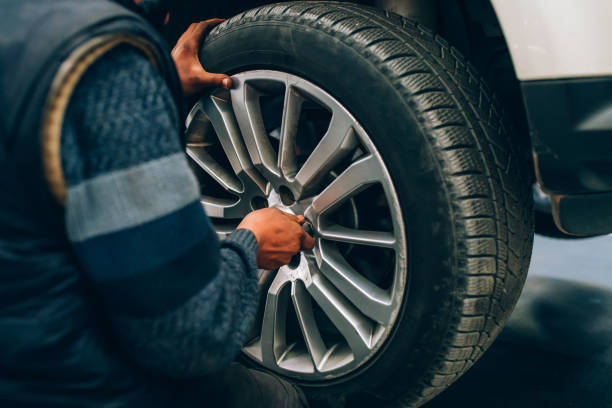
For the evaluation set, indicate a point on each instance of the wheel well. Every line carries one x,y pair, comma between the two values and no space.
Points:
472,27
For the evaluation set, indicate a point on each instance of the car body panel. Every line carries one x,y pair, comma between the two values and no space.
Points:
557,38
562,57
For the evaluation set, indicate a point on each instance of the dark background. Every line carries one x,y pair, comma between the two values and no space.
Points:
185,12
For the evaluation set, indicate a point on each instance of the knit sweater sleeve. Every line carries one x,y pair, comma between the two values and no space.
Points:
181,302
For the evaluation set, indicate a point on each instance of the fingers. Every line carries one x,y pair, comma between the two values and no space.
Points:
210,80
307,241
268,264
194,78
271,264
199,30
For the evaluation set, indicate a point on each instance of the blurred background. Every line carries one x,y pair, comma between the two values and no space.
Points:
184,12
556,350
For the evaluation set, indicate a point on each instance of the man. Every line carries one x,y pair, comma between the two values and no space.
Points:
114,290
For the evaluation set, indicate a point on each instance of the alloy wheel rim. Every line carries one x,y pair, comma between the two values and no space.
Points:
229,145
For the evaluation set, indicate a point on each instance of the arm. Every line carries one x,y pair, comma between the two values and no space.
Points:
181,302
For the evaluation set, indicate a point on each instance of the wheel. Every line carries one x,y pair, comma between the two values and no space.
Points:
392,147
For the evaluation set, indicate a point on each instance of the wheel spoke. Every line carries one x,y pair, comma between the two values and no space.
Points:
206,162
354,327
370,299
198,128
354,179
242,180
221,115
223,208
354,236
291,117
308,324
266,277
273,340
245,101
336,144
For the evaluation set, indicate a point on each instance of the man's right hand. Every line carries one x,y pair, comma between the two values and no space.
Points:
279,236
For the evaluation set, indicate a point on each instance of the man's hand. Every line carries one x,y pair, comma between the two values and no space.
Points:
279,236
194,78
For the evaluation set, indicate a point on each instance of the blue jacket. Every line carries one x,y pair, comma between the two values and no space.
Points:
53,350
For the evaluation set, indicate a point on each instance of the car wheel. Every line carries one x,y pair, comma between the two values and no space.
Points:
393,148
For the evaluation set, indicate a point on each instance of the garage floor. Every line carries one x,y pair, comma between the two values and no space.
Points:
556,350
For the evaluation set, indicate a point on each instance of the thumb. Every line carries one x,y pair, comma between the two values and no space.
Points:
307,241
208,80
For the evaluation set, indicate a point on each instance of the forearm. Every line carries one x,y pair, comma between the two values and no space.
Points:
206,332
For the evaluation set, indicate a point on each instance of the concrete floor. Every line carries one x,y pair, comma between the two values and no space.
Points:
556,350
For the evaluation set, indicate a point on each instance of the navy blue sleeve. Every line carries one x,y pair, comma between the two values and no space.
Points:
138,229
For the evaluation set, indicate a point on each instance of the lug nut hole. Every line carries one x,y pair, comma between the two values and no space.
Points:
295,261
286,196
258,202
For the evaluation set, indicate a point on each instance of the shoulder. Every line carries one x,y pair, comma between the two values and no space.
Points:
121,79
121,114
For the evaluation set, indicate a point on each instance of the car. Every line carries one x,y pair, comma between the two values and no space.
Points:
410,133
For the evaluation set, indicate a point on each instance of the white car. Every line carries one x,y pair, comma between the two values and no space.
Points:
416,180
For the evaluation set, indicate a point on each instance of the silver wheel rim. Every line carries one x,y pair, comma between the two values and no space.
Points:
326,184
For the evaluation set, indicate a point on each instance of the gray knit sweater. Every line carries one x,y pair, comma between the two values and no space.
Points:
181,302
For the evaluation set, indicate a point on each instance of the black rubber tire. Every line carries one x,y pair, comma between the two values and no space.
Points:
465,193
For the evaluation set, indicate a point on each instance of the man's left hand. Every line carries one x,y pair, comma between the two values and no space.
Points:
194,78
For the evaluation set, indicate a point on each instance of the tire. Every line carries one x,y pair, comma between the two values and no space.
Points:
464,193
